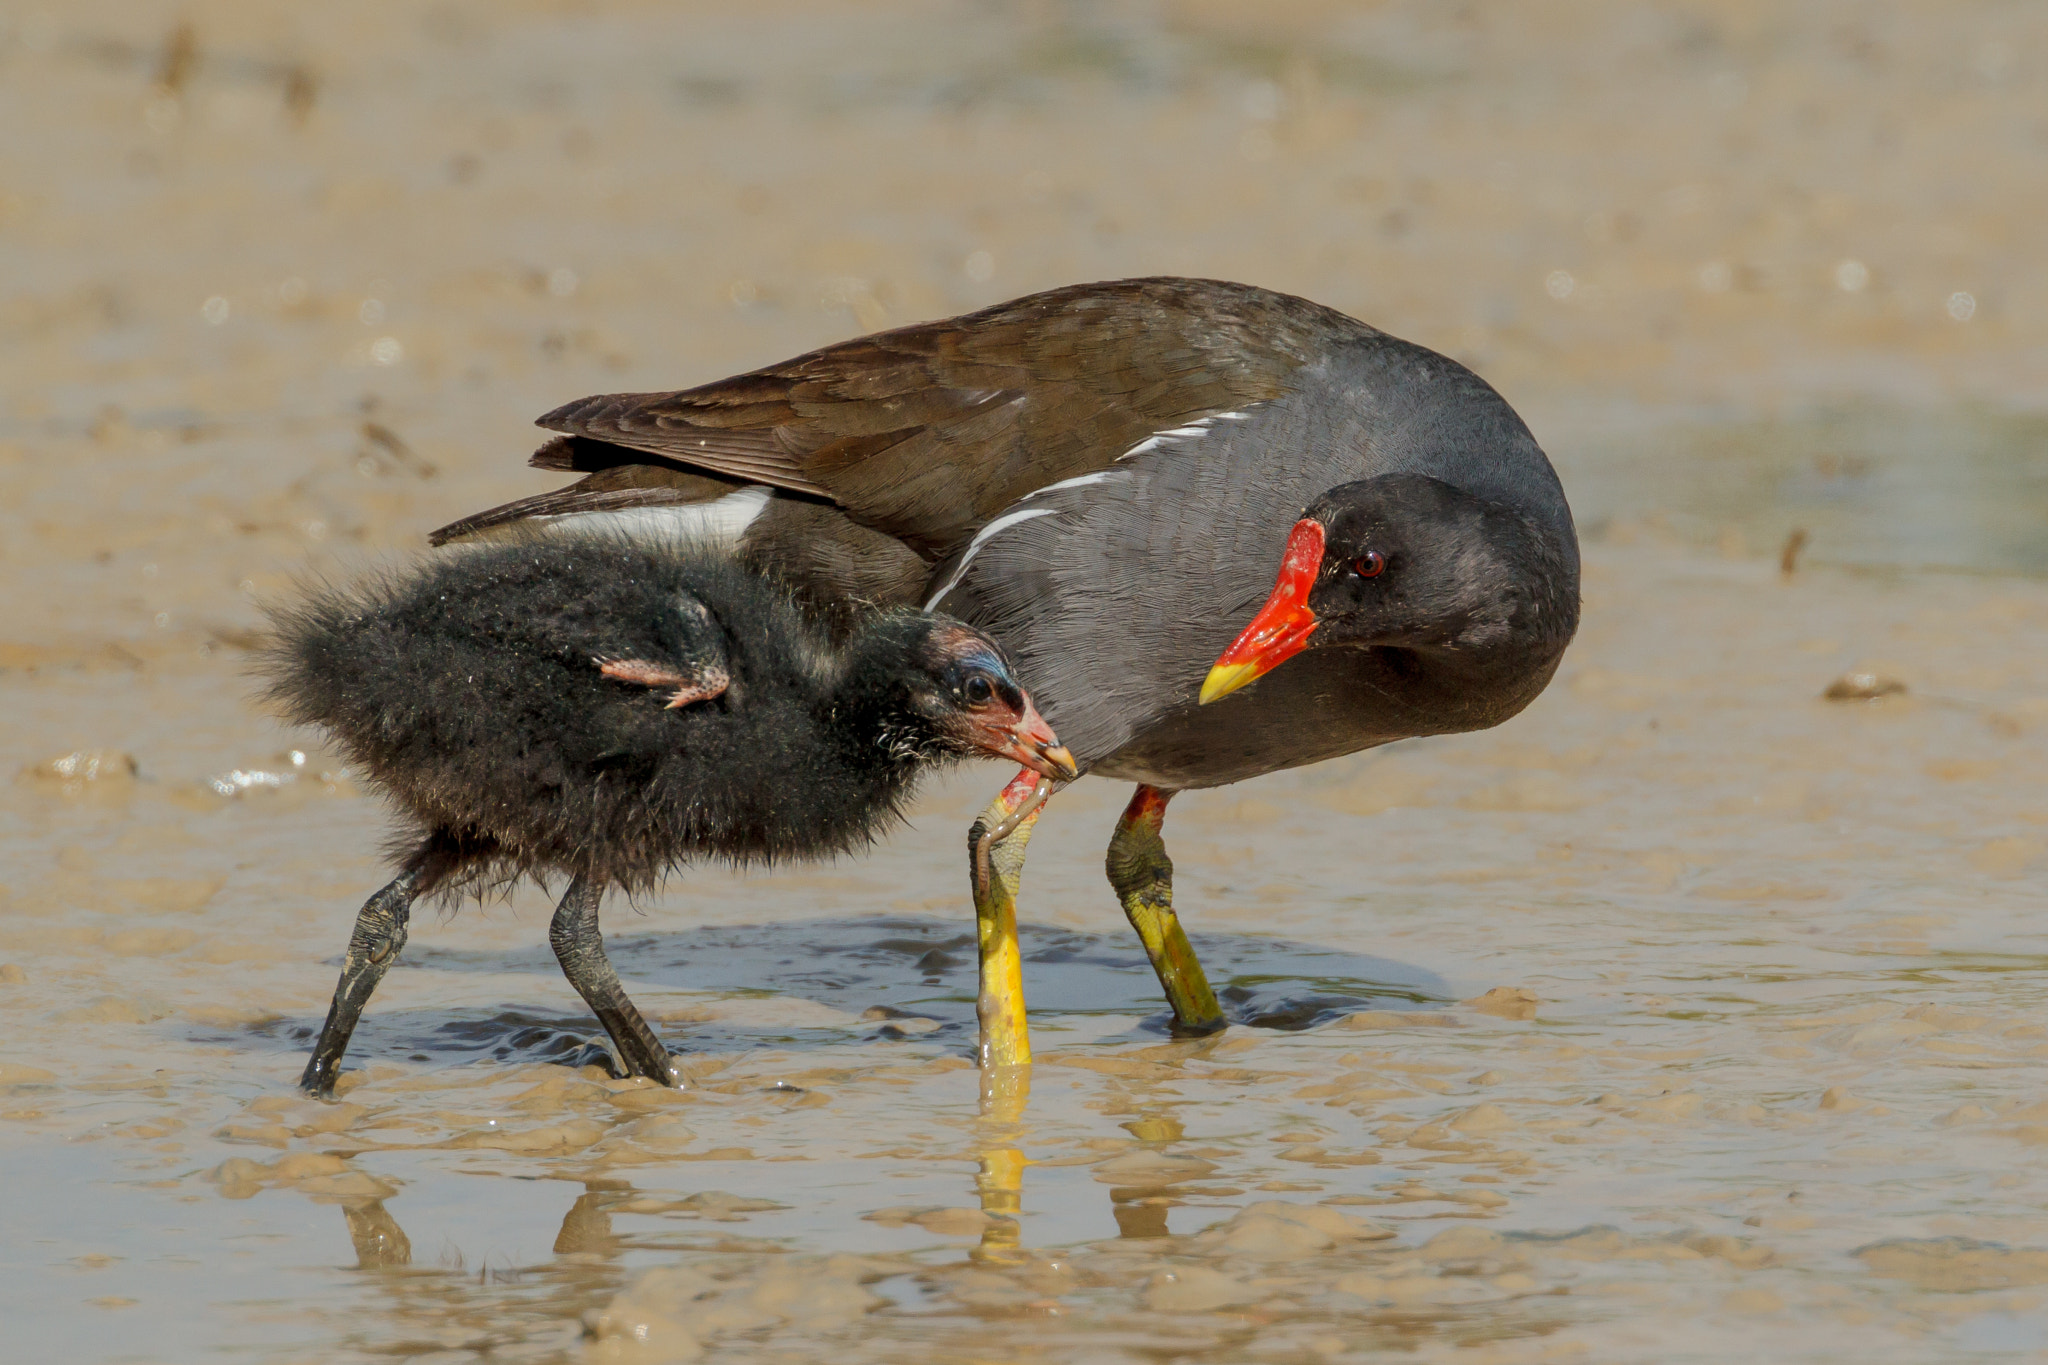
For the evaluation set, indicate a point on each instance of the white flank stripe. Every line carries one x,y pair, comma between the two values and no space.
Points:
981,538
1078,481
1199,427
722,520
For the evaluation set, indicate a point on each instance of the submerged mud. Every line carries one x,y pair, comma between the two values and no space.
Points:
1691,1016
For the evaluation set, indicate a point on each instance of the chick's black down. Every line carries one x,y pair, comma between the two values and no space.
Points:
469,691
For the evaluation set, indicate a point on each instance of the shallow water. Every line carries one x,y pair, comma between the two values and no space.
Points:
1690,1016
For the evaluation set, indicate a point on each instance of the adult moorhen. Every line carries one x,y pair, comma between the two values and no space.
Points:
1104,478
609,708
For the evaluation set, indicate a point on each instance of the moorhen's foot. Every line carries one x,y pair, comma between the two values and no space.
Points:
995,870
1142,876
375,944
579,947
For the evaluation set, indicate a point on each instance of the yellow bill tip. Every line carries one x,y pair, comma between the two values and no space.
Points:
1224,679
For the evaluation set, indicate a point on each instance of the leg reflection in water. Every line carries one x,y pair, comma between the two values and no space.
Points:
587,1226
1141,1218
1141,1209
1001,1187
380,1243
1005,1092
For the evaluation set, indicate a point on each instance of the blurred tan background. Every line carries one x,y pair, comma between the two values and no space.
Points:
266,266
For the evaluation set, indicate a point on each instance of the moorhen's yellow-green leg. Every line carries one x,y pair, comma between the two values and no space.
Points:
378,938
579,947
1143,877
996,869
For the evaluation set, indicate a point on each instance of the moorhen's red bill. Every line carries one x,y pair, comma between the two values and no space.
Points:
1107,479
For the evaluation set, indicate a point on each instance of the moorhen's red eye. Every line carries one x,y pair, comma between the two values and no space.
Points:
1369,564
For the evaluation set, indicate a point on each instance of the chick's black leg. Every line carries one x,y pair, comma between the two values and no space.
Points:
1142,875
579,947
379,936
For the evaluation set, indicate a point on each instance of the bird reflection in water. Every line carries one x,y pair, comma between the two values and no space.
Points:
587,1236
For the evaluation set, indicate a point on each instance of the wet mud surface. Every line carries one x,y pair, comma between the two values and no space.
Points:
1692,1016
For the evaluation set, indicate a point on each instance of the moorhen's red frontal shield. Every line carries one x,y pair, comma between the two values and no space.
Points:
1281,629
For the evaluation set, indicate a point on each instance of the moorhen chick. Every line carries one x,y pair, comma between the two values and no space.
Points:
608,709
1104,477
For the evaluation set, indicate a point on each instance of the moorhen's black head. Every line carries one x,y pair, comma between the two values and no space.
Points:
953,685
1405,561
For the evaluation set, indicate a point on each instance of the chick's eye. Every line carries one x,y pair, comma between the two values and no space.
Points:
978,690
1369,565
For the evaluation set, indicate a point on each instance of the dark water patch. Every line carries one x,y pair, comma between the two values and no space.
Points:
905,979
1293,1003
509,1035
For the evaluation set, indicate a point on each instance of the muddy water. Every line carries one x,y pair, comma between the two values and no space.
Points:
1691,1016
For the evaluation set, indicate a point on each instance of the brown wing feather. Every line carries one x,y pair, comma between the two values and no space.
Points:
927,431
